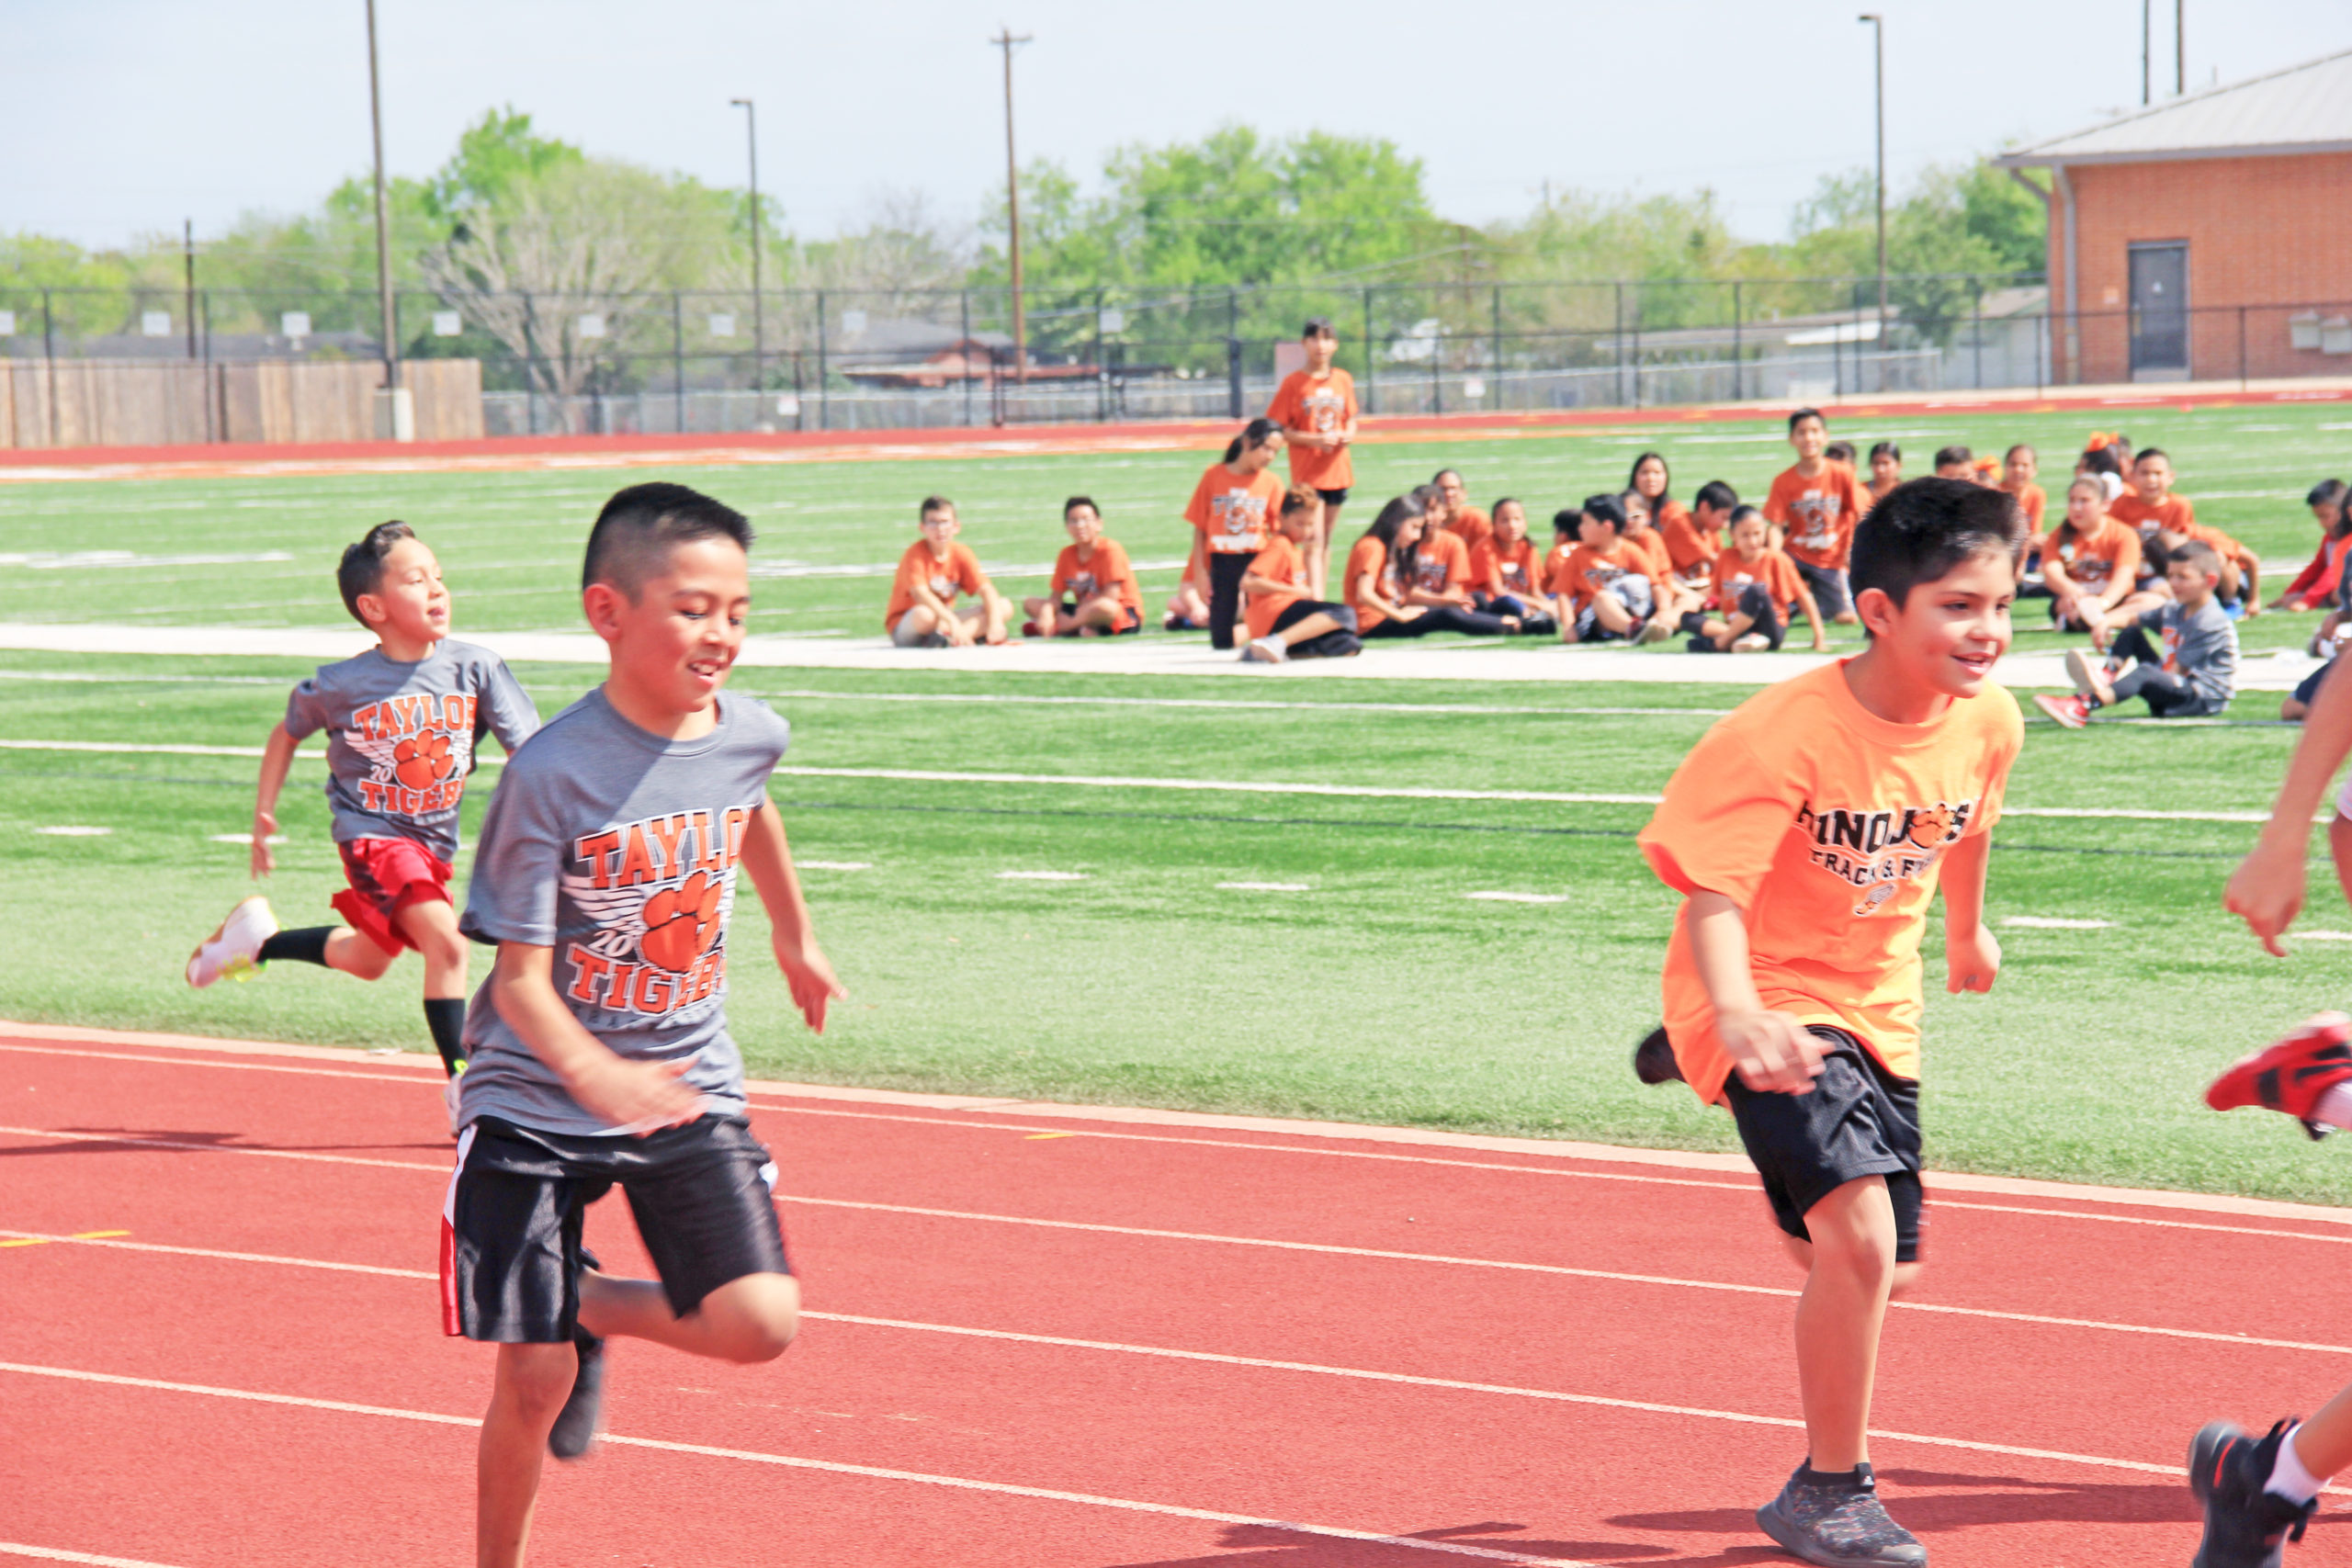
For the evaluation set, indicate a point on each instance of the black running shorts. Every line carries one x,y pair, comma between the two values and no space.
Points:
702,1195
1859,1119
1334,497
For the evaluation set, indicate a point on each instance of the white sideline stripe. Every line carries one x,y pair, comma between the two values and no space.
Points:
1214,786
1941,1182
1043,876
2054,923
1557,1269
836,1467
51,1554
1264,887
1492,897
833,864
1011,700
73,832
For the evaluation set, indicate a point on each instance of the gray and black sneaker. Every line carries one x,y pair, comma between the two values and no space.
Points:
2245,1526
1838,1522
574,1432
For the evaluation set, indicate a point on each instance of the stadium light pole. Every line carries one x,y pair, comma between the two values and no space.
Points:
1878,43
1007,41
758,313
383,234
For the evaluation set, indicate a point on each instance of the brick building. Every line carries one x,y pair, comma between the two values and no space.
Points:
2200,238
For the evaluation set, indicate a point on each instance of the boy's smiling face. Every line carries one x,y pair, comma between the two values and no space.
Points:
1947,634
2191,583
1085,525
2152,477
677,639
410,602
1808,436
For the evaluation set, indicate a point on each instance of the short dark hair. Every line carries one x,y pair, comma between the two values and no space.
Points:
638,527
1801,415
1886,450
2025,447
2144,453
1078,500
1564,521
1438,478
1318,326
1840,452
2198,554
1741,514
1947,456
1300,498
1923,529
1605,509
361,570
1717,494
932,504
2327,492
1254,434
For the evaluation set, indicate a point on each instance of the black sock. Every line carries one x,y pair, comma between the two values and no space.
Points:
306,946
445,1017
1812,1477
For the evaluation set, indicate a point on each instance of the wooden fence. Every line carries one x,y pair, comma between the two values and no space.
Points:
109,402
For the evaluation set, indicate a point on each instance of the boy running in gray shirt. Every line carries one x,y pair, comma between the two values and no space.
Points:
598,1047
2192,675
402,721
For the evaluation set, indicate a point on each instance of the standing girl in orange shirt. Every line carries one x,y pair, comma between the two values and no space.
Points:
1233,511
1316,408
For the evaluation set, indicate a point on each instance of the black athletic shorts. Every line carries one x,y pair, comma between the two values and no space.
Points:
1067,609
702,1195
1859,1119
1333,497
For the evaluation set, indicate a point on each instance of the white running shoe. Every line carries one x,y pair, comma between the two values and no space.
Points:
230,952
1267,650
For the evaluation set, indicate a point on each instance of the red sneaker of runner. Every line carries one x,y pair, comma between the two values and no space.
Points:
2293,1075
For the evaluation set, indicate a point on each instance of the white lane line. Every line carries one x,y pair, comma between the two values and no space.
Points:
1211,786
77,678
834,1467
1519,897
1264,887
73,832
2053,923
2323,936
1437,709
51,1554
1162,1352
833,864
1042,876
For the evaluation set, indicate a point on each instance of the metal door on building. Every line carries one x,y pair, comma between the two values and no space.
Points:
2160,312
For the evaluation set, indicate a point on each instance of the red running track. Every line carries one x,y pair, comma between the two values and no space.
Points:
1036,1340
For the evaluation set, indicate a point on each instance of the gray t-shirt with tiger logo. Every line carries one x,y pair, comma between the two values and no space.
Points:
400,736
618,850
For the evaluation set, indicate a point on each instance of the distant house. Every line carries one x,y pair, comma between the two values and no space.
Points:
2195,237
903,351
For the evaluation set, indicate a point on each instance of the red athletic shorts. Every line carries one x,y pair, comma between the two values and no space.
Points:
387,875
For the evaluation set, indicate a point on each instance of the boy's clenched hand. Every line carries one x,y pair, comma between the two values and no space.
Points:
1972,961
1774,1053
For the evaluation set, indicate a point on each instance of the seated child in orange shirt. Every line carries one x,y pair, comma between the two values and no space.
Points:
1886,470
1602,590
1506,575
1694,539
1284,624
922,611
1674,600
1750,582
2166,522
1093,591
2018,467
2089,562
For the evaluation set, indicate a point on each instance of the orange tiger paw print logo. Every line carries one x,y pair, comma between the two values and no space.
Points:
423,761
1930,829
680,923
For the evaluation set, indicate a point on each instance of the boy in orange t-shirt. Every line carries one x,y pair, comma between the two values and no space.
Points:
1694,539
1316,408
1459,518
922,611
1093,591
1807,833
1603,586
2150,507
1284,624
1815,504
1750,586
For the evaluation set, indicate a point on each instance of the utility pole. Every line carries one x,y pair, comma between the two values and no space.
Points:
2147,48
383,238
187,252
2179,47
1878,43
1006,40
759,311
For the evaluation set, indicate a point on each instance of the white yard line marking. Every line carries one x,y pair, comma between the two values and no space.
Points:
2053,923
867,1471
73,832
86,560
1448,710
2322,936
834,865
244,838
1212,786
74,676
1264,887
1519,897
1043,876
52,1554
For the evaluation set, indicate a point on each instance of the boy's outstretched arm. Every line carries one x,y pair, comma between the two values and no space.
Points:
2267,889
639,1097
769,860
1773,1052
277,761
1972,953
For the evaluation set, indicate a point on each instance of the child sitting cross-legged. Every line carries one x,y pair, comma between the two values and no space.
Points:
1093,591
1506,572
2193,675
2315,586
2090,561
1603,588
1751,582
1284,622
922,612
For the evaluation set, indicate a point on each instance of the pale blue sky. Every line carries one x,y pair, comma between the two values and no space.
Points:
123,116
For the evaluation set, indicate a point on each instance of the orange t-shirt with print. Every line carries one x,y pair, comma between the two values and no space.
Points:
1106,572
1774,572
2035,501
959,573
1280,562
1517,571
1555,568
2173,514
1440,564
2092,561
1826,825
1688,546
1368,559
1472,526
1650,546
1588,570
1235,515
1819,513
1326,406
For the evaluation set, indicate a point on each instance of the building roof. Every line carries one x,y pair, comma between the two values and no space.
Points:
2303,109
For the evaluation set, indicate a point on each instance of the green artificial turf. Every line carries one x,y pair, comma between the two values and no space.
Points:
1381,994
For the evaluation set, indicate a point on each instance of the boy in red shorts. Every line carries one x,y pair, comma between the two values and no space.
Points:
402,721
1807,833
601,1057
